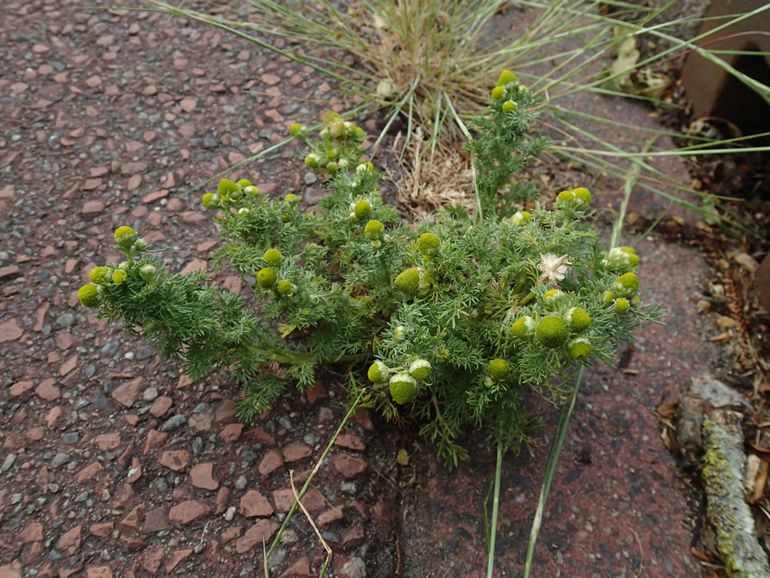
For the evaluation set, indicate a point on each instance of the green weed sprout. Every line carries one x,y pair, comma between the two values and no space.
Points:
452,322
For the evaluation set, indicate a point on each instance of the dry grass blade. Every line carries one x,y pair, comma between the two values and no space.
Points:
329,554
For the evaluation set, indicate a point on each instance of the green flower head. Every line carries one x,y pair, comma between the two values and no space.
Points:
510,106
578,319
118,276
403,388
580,348
226,187
88,295
312,160
521,217
210,200
505,77
266,277
373,229
420,369
362,210
99,274
272,256
565,198
582,196
498,93
378,372
285,288
622,304
428,243
413,281
243,183
291,199
523,327
125,237
298,130
621,259
551,331
626,285
498,368
148,272
553,296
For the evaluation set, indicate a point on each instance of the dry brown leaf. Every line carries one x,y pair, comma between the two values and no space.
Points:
756,477
726,336
724,322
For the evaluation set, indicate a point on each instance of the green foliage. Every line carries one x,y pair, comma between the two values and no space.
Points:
456,320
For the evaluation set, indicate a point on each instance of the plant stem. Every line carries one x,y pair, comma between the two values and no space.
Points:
495,509
550,470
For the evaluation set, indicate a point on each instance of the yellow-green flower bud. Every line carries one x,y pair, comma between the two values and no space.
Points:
580,348
505,77
399,333
332,167
510,106
378,372
243,183
521,217
125,237
118,276
88,295
498,369
583,196
291,199
225,187
553,296
413,281
578,319
312,160
626,285
272,256
298,130
565,198
337,130
420,369
251,190
147,272
621,259
140,245
332,154
99,274
285,288
523,327
209,200
621,305
607,298
266,277
498,93
403,388
362,210
373,229
551,331
428,243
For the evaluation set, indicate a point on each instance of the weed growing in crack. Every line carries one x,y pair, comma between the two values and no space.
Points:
452,322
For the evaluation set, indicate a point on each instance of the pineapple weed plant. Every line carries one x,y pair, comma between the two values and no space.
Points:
452,321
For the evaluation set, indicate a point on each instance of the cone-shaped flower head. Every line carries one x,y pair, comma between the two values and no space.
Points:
626,285
125,237
148,272
505,77
428,243
403,388
622,304
99,274
510,106
498,93
578,319
413,281
272,256
88,295
551,331
266,277
420,369
118,276
580,348
378,372
498,368
373,229
285,288
362,210
523,327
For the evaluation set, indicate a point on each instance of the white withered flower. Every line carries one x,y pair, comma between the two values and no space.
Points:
553,268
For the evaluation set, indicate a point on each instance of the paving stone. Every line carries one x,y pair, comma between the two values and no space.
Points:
188,511
260,533
349,466
175,460
127,393
201,476
253,504
272,461
296,451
